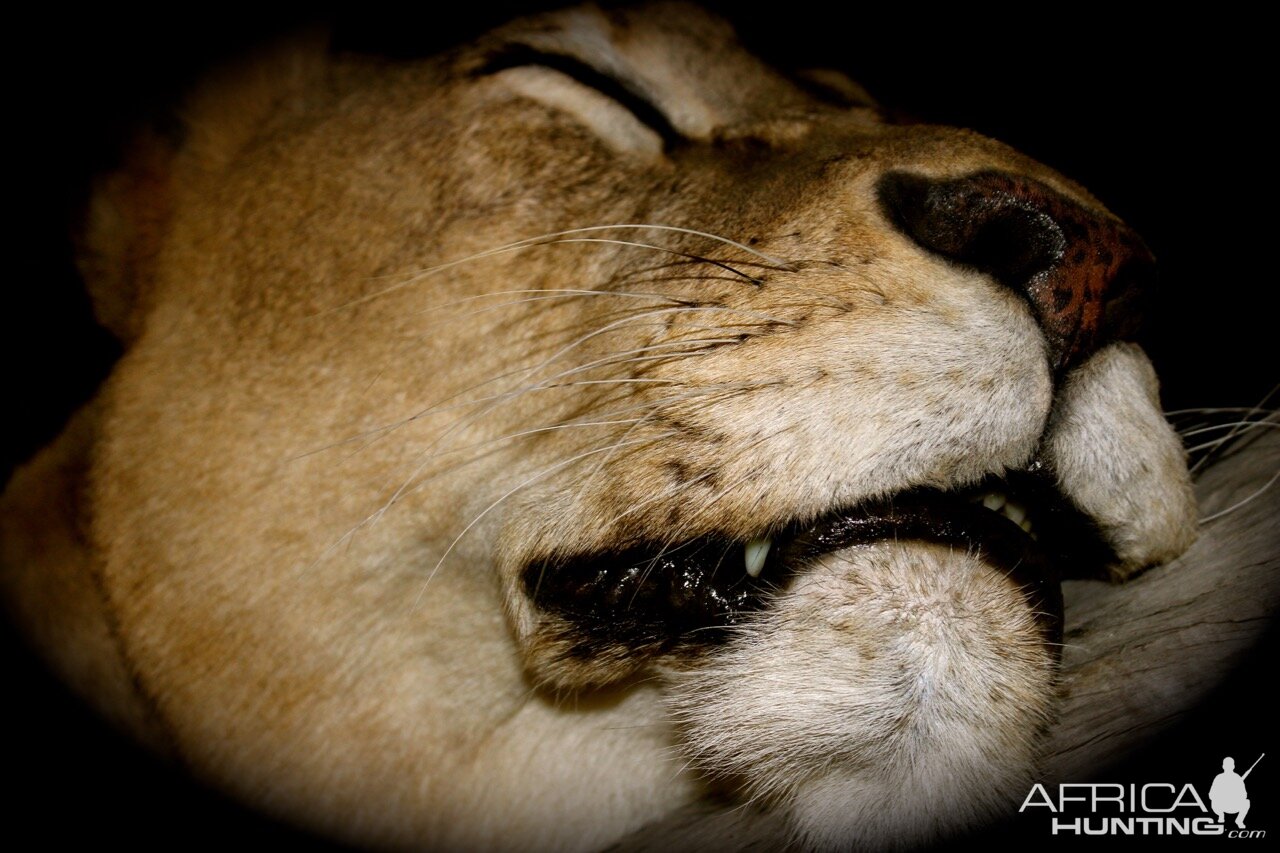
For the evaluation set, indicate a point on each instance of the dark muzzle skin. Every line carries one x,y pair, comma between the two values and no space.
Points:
1086,276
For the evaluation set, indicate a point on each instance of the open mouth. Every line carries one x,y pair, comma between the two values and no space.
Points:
690,594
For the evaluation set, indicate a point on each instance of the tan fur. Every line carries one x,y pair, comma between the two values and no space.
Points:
312,481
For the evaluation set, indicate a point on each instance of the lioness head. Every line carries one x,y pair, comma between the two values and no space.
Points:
515,447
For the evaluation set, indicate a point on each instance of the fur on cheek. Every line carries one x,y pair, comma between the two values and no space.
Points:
893,693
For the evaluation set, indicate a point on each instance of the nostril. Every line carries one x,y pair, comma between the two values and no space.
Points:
1085,275
972,222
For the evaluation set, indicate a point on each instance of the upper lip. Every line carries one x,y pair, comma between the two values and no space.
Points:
652,593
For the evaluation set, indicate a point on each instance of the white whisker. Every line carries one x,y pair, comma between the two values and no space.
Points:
461,422
1217,410
551,238
1235,426
571,294
440,406
1242,503
532,431
546,384
729,389
721,264
725,491
1256,409
552,293
1217,442
494,445
524,484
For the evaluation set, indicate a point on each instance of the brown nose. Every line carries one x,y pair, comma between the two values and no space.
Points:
1086,276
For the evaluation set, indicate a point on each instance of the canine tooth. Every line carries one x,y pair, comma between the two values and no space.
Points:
994,501
1015,512
756,552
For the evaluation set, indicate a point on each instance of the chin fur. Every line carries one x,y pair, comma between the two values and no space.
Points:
895,692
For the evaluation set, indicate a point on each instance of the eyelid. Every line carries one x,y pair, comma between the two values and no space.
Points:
833,87
516,56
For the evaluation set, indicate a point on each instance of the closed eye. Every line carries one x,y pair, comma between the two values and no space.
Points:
618,91
833,87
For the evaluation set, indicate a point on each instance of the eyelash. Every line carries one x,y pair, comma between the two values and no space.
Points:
644,111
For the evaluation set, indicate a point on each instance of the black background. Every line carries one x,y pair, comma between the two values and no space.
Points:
1159,117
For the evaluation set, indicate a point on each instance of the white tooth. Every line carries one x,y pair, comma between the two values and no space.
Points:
1025,524
993,501
1015,512
757,550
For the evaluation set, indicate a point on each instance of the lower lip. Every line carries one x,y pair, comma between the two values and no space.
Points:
666,598
949,520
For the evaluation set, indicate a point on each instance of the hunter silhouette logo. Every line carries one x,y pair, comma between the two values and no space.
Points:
1228,794
1151,808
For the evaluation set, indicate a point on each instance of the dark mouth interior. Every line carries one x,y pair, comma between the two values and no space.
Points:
693,592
